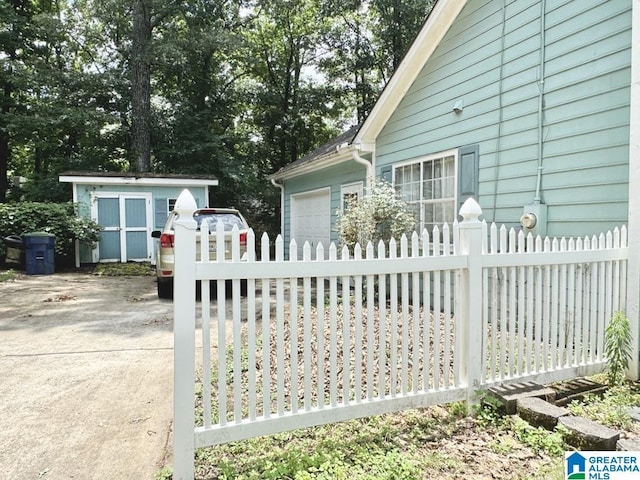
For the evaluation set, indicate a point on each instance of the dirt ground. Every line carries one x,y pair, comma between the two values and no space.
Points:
86,377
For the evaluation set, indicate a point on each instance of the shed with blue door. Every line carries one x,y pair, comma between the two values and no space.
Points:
129,206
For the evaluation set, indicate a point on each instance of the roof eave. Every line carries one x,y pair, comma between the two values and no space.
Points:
341,155
436,26
164,182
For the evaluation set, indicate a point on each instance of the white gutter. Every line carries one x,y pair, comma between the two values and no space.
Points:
281,187
368,166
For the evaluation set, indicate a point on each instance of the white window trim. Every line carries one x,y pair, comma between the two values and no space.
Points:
347,188
446,153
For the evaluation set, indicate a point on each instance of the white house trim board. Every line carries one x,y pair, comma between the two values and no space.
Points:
440,19
633,281
350,188
334,158
147,181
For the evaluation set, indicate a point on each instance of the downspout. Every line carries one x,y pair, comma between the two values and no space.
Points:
368,166
281,187
76,242
543,3
496,174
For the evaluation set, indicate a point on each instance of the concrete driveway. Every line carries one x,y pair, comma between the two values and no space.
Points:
86,377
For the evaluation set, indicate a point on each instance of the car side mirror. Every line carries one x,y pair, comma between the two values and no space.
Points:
156,234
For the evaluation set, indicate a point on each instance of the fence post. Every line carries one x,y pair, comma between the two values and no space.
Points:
184,314
470,316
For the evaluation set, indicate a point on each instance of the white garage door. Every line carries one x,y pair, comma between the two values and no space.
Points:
311,219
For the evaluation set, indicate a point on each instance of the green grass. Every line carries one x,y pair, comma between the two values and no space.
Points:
7,275
610,409
439,442
130,269
430,443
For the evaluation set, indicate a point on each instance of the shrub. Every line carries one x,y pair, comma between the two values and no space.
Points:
617,347
58,219
380,215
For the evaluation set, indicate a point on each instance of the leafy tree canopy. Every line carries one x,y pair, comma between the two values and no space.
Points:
234,88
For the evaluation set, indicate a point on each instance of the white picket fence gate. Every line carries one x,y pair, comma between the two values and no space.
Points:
394,327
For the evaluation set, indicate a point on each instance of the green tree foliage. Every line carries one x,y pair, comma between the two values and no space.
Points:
58,219
234,88
380,215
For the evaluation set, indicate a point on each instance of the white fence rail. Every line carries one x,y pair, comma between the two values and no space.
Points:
392,327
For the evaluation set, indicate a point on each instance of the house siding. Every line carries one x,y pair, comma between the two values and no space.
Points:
84,192
333,177
495,69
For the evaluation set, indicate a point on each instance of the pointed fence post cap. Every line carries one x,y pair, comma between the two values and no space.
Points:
470,211
185,203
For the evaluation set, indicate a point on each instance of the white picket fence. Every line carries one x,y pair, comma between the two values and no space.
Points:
389,328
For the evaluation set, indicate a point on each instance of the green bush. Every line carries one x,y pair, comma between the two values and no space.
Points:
380,215
617,347
58,219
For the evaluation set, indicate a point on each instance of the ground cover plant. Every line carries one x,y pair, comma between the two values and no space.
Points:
134,269
437,442
440,442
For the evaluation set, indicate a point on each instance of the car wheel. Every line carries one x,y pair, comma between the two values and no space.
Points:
165,287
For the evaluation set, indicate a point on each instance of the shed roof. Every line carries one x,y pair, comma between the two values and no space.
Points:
129,178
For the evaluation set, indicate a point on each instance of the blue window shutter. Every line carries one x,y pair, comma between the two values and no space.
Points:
385,174
161,212
468,169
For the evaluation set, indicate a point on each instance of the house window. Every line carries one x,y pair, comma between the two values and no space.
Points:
349,194
171,203
428,186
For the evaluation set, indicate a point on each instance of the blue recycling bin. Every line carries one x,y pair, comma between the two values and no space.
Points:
38,253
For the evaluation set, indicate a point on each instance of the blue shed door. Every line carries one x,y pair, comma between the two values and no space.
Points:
126,223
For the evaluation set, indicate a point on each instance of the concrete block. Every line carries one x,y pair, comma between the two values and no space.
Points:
508,395
628,444
587,435
634,413
540,413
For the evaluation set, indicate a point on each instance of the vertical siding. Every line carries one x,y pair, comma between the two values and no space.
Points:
495,68
84,193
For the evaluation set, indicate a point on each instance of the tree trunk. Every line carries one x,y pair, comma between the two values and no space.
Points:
141,86
5,152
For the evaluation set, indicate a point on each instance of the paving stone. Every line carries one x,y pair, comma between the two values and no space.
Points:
628,444
587,435
508,395
540,413
634,413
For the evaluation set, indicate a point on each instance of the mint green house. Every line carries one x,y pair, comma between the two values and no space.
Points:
530,106
129,206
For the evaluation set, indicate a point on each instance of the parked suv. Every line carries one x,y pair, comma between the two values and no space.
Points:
229,217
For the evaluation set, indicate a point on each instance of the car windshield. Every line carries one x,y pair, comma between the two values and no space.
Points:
229,220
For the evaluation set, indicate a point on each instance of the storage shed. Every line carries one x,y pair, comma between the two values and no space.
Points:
129,206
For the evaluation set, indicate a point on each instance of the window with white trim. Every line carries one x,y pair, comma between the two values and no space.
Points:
349,193
429,186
